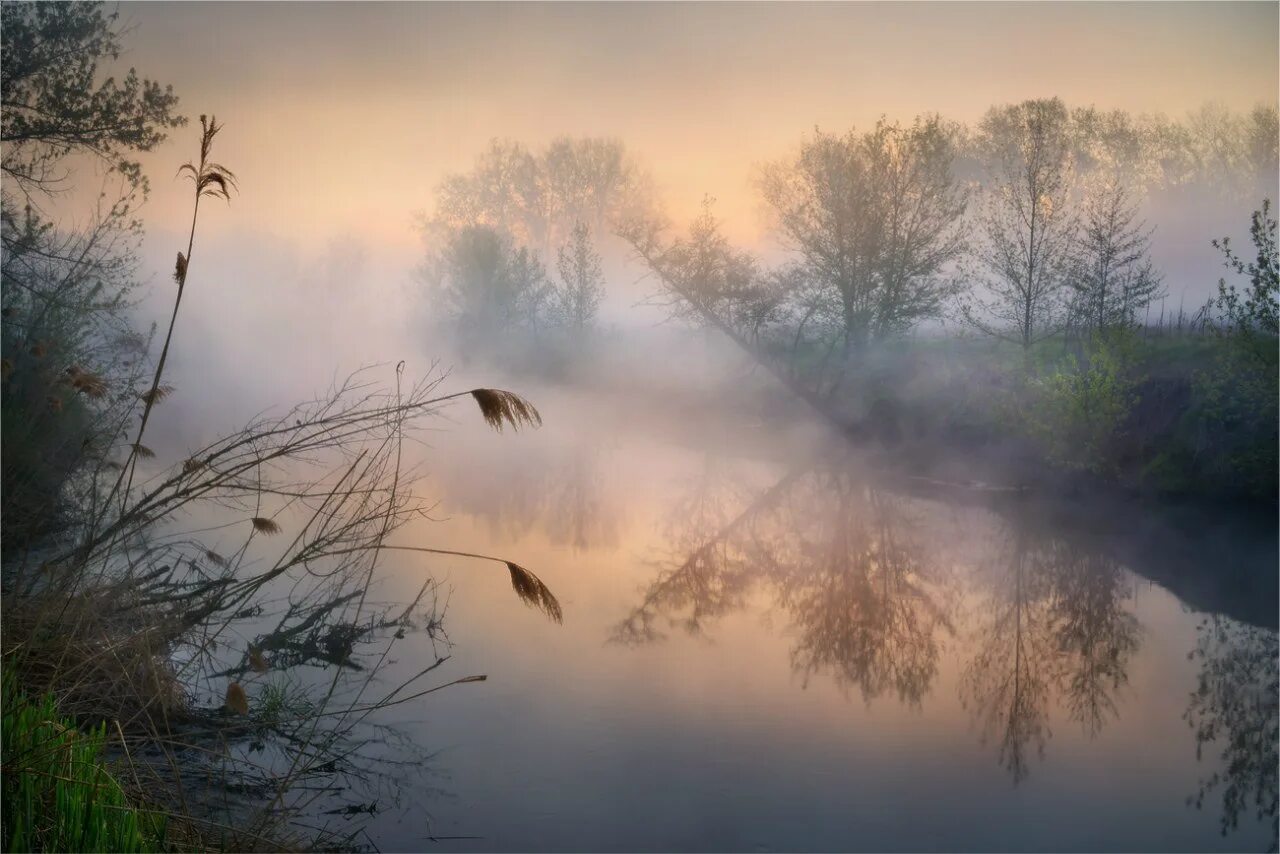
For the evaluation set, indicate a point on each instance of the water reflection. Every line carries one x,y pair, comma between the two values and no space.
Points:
1044,622
1053,626
869,598
1234,710
1037,643
558,490
837,557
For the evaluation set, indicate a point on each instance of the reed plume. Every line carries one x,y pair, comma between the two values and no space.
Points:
265,526
86,382
156,394
237,701
258,661
533,592
501,408
211,179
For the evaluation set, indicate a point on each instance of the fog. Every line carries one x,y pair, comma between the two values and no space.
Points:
338,162
862,416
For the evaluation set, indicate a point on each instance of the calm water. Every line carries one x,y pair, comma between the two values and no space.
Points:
771,643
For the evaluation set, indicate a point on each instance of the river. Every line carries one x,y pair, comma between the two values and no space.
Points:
772,641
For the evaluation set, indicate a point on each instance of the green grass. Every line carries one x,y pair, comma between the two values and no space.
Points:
58,795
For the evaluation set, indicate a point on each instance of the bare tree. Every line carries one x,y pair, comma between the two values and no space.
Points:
874,216
1027,227
538,198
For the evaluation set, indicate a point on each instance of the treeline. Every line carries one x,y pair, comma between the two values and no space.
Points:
1022,234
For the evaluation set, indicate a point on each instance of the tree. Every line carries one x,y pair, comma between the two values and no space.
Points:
577,298
1027,227
538,198
1236,393
875,218
54,104
1257,308
702,278
492,286
1112,276
69,350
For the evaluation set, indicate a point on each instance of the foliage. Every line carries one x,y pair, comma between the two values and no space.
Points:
1256,310
58,793
1079,409
55,104
1235,419
70,355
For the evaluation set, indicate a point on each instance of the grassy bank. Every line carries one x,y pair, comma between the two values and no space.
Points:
1148,411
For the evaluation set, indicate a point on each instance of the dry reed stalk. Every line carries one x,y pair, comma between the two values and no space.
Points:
105,630
501,408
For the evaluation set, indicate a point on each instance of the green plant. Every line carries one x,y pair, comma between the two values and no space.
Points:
58,793
1079,408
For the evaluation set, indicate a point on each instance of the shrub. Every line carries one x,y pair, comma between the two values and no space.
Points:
1079,409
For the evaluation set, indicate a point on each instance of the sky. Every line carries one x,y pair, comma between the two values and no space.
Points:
342,118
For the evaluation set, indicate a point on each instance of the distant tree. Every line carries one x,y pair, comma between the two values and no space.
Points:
1262,135
538,198
1027,229
875,218
1111,275
576,299
492,286
704,279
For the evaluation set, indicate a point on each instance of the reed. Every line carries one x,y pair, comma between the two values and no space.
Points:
180,636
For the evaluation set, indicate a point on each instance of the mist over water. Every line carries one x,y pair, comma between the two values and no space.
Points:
759,427
772,642
773,639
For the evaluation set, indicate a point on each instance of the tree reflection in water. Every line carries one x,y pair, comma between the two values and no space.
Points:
838,558
1234,708
559,491
1052,630
867,603
1058,628
706,572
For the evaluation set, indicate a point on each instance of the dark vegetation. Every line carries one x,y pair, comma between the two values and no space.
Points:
190,647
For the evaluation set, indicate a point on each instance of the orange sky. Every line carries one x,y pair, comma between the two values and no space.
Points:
341,118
